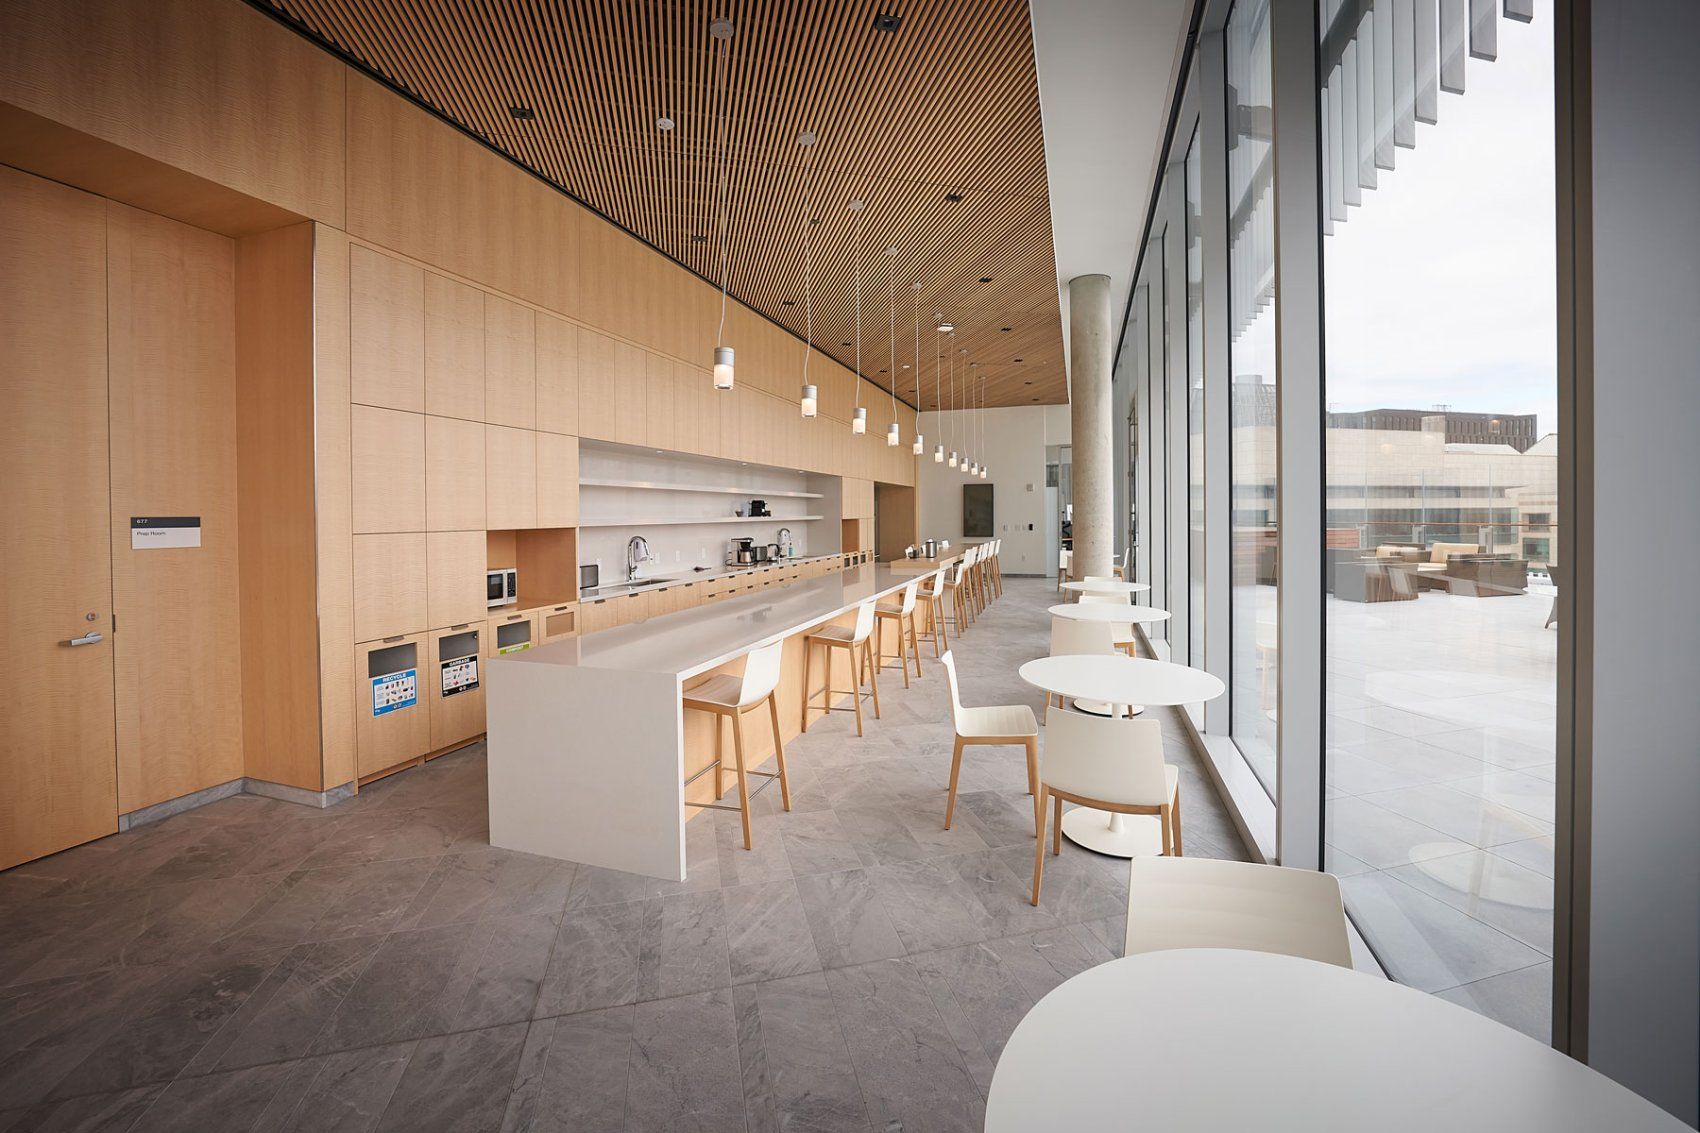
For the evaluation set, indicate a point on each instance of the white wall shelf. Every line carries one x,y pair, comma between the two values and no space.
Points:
695,520
751,493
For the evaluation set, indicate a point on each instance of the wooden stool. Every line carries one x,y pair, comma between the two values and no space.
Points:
854,641
995,567
730,696
955,585
932,597
903,613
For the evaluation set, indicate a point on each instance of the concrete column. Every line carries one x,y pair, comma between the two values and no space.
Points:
1091,353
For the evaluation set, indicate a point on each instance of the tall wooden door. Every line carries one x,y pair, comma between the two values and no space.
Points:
58,776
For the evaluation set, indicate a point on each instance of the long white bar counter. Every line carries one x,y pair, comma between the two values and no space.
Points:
586,735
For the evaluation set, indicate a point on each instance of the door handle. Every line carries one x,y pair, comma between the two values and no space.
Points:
92,637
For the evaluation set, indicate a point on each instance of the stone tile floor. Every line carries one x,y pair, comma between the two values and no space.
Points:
256,965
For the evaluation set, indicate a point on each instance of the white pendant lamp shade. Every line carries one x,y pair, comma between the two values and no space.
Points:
722,367
920,445
892,439
859,423
809,401
952,460
938,454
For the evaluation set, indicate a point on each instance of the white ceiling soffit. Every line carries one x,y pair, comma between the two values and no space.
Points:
1107,71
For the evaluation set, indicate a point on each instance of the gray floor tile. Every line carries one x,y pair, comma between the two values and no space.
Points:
457,1083
595,961
685,1071
767,932
846,918
572,1075
683,946
797,1072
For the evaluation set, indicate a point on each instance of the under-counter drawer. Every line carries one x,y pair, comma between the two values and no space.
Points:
454,684
511,633
556,622
392,721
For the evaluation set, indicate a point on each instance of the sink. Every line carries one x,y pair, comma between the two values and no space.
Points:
626,587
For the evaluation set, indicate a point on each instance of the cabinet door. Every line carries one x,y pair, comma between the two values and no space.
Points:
454,577
389,585
557,480
557,375
386,331
393,725
663,408
556,622
454,475
454,349
454,683
510,364
512,632
631,401
596,385
510,478
389,470
593,616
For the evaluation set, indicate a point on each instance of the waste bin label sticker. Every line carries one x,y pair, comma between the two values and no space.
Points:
394,691
156,532
460,675
517,647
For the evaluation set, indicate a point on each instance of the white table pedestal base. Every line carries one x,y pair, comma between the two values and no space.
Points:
1118,835
1102,708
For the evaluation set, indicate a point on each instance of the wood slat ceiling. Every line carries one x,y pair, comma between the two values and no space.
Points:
948,104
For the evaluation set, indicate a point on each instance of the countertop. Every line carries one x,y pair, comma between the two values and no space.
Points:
621,589
692,641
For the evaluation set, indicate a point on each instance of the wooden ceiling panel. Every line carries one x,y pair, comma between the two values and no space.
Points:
947,105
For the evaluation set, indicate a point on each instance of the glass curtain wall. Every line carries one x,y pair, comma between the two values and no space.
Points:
1254,658
1194,205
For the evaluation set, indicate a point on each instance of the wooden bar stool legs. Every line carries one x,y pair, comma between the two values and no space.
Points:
856,641
730,697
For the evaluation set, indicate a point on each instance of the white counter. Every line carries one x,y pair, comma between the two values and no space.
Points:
586,735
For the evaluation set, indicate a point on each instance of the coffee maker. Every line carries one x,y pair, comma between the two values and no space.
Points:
740,552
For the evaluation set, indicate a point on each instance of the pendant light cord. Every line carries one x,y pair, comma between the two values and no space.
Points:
808,260
724,56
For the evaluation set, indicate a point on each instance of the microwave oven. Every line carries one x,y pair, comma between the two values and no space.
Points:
502,587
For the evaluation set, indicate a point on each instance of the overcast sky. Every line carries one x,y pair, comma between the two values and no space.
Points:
1440,288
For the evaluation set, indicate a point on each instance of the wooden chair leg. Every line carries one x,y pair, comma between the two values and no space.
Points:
914,645
938,629
1175,821
779,750
873,680
1163,825
808,654
902,657
955,769
855,683
1033,766
1056,833
1039,847
743,779
719,758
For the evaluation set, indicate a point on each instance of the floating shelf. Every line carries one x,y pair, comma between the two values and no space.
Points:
751,493
686,521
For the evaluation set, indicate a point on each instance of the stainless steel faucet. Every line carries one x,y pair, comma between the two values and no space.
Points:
637,553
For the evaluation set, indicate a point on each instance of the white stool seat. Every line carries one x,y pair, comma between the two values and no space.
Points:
997,720
1204,903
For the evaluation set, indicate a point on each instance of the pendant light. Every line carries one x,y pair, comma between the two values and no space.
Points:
920,445
938,399
893,435
951,463
809,399
984,471
721,32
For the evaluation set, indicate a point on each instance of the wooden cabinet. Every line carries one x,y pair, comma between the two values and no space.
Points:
454,577
596,390
386,313
557,375
389,470
510,364
456,656
510,478
858,496
454,475
389,585
557,622
660,397
454,349
685,394
631,401
512,632
392,722
557,480
596,615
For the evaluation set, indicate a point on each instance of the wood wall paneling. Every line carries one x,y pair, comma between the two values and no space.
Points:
389,585
275,507
454,348
510,363
454,475
557,480
334,499
510,478
389,470
631,401
386,331
557,375
597,390
659,419
171,299
58,777
454,577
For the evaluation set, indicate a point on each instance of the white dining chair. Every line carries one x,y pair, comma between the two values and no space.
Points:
991,725
1120,632
1071,637
1108,763
1206,903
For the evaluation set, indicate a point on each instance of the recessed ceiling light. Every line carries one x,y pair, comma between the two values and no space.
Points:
953,198
807,138
887,21
1018,359
720,28
663,123
844,344
985,279
1005,330
1026,383
788,302
523,113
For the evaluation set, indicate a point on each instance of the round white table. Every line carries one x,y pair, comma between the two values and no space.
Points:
1105,612
1212,1039
1115,679
1113,586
